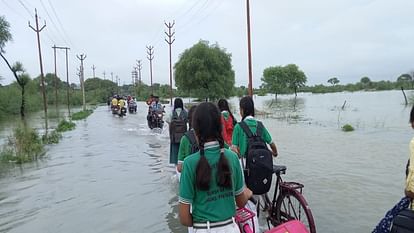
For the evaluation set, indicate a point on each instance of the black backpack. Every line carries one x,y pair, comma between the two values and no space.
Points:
178,126
190,134
258,170
403,222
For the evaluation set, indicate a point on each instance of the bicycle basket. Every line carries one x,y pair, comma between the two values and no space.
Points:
243,215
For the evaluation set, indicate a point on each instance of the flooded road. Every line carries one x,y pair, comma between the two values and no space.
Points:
108,175
112,174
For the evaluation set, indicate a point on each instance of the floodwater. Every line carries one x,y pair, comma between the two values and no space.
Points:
112,174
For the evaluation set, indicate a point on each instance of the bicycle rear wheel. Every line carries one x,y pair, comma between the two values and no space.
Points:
291,205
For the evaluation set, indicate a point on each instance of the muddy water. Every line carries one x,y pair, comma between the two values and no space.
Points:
112,174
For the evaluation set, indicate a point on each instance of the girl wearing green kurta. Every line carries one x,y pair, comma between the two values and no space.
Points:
211,180
239,139
185,144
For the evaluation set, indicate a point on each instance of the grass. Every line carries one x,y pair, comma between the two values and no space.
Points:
24,145
347,128
52,137
81,115
65,125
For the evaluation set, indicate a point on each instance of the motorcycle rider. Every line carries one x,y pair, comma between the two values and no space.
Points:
122,104
114,102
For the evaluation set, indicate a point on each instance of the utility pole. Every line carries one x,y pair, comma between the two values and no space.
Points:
150,52
104,74
67,76
249,49
93,68
139,67
82,79
170,41
37,30
112,76
118,83
55,81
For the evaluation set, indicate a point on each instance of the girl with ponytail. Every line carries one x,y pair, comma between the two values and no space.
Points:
211,180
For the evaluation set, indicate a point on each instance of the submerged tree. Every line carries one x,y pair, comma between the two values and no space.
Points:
278,78
295,77
274,79
333,81
206,70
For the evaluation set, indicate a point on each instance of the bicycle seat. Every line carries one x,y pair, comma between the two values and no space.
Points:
278,169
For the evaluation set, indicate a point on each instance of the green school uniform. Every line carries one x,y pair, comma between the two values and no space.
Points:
239,138
218,203
185,148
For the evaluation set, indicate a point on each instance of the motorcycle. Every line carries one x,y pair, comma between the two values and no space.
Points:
122,113
115,109
132,106
155,119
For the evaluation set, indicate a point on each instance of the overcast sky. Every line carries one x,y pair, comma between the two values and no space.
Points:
347,39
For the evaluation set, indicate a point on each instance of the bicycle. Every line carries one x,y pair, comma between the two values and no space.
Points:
288,203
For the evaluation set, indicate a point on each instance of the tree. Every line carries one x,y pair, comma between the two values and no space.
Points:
17,69
278,78
295,77
365,81
333,81
274,79
206,71
404,78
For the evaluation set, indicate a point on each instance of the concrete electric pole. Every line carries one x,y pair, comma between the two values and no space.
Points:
150,52
170,41
42,78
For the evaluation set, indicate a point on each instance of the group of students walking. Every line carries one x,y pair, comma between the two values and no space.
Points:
209,157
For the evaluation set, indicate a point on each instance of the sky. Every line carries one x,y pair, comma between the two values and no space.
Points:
347,39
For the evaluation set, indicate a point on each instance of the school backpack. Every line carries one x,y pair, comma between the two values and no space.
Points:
190,134
178,126
403,222
258,170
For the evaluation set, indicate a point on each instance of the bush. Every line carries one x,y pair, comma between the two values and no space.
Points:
65,125
24,145
52,138
347,128
81,115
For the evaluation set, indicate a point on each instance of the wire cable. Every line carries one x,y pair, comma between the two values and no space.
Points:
60,23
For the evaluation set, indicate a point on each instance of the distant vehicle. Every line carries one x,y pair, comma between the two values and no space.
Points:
155,119
132,106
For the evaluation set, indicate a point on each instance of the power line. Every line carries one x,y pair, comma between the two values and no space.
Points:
60,23
25,7
53,23
14,10
201,19
157,38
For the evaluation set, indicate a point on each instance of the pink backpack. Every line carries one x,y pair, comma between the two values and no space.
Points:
293,226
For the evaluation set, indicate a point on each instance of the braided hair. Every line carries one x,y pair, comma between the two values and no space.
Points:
207,126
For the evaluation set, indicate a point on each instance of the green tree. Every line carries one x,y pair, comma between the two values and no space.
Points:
333,81
365,81
295,77
205,71
405,79
274,79
17,69
278,78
